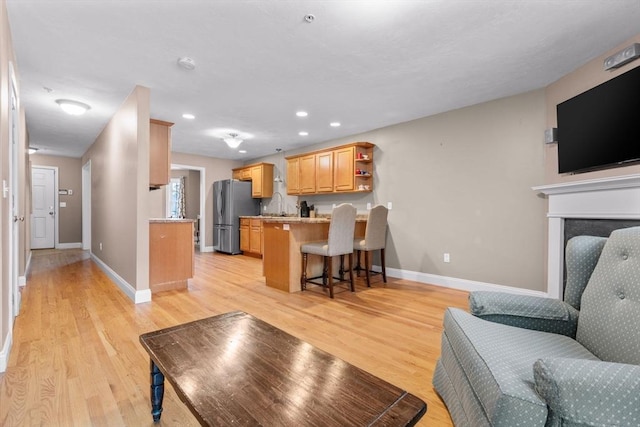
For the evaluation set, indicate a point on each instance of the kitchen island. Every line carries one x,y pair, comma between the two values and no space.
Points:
171,253
283,237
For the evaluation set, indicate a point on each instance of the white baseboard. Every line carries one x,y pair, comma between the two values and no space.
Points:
455,283
77,245
136,296
22,280
4,353
208,249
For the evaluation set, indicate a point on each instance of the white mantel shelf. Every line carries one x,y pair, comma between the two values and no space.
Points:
603,198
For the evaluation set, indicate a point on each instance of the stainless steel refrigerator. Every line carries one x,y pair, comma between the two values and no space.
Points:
231,199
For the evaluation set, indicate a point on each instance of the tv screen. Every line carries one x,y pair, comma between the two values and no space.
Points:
600,128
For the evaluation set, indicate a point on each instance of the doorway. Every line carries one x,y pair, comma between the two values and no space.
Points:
201,220
44,200
14,198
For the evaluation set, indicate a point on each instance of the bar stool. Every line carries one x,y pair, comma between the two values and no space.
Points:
375,236
340,242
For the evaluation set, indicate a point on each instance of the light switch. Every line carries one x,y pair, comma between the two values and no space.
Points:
70,192
389,205
63,204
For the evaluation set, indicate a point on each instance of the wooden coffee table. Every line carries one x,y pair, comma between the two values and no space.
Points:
235,369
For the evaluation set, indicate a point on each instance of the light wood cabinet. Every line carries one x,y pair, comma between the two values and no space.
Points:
324,172
343,169
251,241
171,254
293,176
307,174
245,239
261,177
159,153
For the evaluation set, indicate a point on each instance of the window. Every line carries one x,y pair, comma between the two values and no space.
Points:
175,198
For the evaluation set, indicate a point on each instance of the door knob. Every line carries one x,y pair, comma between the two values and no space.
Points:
51,212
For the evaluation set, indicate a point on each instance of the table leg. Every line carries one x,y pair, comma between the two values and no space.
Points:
157,392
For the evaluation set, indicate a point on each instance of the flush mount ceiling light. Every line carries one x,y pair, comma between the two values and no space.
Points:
187,63
232,140
74,108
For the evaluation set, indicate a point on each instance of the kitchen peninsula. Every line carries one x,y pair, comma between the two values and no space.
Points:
171,253
283,236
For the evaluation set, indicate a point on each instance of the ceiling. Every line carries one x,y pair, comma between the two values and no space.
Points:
365,64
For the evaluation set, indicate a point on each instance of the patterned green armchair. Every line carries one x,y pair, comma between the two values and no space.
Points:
530,361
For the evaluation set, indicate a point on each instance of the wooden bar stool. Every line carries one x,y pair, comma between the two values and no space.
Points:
340,242
375,236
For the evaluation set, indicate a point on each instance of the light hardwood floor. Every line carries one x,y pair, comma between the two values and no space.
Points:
76,359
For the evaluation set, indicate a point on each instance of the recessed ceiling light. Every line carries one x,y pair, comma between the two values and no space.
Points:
74,108
242,151
188,116
302,114
334,124
303,133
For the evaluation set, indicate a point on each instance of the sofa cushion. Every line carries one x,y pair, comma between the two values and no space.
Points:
498,363
610,306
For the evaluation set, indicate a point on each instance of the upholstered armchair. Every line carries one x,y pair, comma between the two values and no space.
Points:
531,361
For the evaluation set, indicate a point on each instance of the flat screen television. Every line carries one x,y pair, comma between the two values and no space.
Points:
600,128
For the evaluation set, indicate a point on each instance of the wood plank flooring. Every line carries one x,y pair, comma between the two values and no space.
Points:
76,359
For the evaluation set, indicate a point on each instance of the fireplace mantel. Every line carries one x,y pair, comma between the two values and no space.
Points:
603,198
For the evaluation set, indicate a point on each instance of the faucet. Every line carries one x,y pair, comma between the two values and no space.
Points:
280,211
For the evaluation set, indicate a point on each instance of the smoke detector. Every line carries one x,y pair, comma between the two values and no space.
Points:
309,18
187,63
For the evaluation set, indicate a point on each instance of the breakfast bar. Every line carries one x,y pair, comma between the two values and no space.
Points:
283,236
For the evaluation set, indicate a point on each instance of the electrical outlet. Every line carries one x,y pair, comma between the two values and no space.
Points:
368,206
447,258
100,245
389,205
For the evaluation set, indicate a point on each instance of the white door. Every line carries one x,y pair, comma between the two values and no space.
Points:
44,212
14,197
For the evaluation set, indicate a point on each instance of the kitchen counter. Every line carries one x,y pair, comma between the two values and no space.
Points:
295,219
171,253
283,237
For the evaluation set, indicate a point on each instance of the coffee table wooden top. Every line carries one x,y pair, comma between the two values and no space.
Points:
235,369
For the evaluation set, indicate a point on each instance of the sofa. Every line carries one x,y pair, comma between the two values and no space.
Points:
519,360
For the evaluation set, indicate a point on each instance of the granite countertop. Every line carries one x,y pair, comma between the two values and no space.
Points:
170,220
321,219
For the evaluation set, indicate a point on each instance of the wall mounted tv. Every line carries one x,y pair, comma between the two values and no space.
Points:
600,128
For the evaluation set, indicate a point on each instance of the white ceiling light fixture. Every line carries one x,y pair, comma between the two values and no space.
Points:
232,140
188,116
302,114
303,133
242,151
278,178
334,124
75,108
187,63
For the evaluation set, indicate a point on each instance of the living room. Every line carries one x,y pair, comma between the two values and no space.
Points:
460,183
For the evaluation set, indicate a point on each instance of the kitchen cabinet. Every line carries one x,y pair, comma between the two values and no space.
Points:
159,153
342,169
261,177
171,254
293,176
251,241
324,172
307,174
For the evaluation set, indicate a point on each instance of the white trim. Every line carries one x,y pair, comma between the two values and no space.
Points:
22,280
136,296
203,217
77,245
455,283
625,181
86,205
207,248
6,349
602,198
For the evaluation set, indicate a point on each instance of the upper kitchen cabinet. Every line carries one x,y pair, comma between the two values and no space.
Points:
343,169
261,177
159,153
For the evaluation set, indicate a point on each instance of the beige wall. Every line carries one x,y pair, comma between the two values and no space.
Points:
460,183
69,178
120,191
581,80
